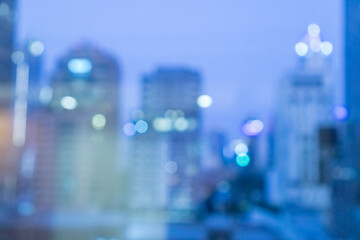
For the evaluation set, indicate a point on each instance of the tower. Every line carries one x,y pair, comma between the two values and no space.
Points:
305,104
75,135
352,57
170,143
7,31
345,177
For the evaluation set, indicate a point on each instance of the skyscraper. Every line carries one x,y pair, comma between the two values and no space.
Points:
7,29
75,135
26,98
34,50
352,57
170,145
345,192
305,104
7,26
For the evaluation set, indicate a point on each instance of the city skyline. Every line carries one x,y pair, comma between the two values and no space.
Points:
175,36
179,120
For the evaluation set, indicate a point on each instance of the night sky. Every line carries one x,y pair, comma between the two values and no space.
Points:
242,48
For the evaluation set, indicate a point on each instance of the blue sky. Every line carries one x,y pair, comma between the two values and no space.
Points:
242,48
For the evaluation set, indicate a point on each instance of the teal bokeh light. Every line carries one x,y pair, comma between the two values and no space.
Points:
243,160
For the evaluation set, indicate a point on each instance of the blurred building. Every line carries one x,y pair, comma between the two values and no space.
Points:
33,51
74,136
28,76
7,31
345,174
352,83
165,155
342,178
212,150
352,57
305,103
252,129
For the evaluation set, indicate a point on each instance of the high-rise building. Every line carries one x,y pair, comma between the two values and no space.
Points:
33,52
165,158
341,176
75,136
26,96
345,177
7,30
305,105
352,57
352,84
7,22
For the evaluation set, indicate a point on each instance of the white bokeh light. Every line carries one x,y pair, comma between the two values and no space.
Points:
314,30
204,101
162,124
68,103
326,48
98,121
241,148
80,65
181,124
36,48
301,49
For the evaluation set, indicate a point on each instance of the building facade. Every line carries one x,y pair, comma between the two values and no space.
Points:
7,31
305,104
74,136
352,57
169,148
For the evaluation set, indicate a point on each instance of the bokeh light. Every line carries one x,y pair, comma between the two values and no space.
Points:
243,160
98,121
129,129
68,103
162,124
340,112
204,101
241,148
326,48
141,126
301,49
314,30
36,48
181,124
170,167
17,57
253,127
80,65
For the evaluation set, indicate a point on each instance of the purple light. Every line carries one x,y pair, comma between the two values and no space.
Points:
253,127
340,113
